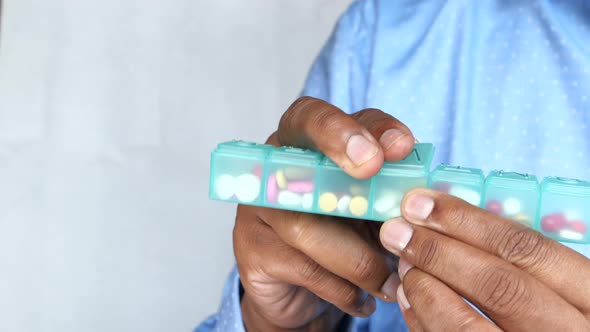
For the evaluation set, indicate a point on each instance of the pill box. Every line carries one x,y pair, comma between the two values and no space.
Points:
465,183
290,178
512,195
395,179
304,180
237,171
563,212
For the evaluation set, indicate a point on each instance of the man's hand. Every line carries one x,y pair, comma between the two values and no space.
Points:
303,271
451,250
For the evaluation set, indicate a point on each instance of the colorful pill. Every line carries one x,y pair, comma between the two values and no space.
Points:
225,186
301,186
359,206
494,207
272,190
247,187
343,203
511,206
387,201
257,170
553,222
307,201
523,219
328,202
570,235
281,179
578,226
289,198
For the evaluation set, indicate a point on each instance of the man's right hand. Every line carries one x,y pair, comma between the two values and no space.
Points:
303,271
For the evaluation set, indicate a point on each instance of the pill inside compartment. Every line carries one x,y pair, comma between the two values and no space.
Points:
341,194
290,181
236,172
465,183
396,178
512,195
563,211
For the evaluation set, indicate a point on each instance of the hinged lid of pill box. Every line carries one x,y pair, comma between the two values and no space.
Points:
512,180
243,149
457,174
565,186
417,163
295,156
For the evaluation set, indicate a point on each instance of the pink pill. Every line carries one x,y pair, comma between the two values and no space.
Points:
272,190
444,187
494,207
578,226
257,171
301,186
553,222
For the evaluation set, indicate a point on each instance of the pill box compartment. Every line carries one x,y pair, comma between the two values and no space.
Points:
465,183
341,194
236,172
563,212
396,178
512,195
290,179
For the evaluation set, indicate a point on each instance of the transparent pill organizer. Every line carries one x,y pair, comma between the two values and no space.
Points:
303,180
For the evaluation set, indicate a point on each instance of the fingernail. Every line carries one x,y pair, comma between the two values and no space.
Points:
389,137
402,299
389,288
360,150
403,268
419,207
369,306
395,235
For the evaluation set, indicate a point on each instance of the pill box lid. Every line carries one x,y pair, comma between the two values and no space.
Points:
243,149
512,180
295,156
565,186
457,174
417,163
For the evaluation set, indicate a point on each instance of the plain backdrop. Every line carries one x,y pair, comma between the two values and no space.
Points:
108,113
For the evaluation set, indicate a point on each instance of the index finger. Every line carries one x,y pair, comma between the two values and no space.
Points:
354,146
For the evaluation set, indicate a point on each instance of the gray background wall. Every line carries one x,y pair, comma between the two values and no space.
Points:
108,113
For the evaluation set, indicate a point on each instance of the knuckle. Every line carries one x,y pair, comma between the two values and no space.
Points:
418,286
291,118
502,292
300,231
347,298
524,248
310,272
427,256
366,268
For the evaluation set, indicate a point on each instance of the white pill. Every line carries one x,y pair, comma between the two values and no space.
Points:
247,187
225,186
307,200
289,198
470,196
343,203
567,234
511,206
387,200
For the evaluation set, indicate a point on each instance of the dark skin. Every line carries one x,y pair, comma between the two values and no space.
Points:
304,272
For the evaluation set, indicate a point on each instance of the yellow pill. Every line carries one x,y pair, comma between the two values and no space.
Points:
281,179
358,206
328,202
523,219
